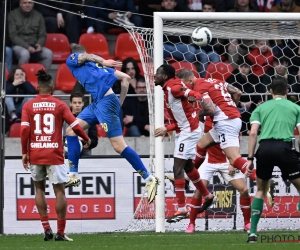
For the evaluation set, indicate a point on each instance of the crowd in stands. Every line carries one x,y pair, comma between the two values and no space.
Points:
251,65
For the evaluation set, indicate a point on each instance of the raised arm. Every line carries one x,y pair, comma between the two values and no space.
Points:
235,93
85,57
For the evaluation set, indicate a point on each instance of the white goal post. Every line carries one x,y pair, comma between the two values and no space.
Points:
159,18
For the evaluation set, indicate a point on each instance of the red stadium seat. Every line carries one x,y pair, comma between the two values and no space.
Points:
31,69
95,43
185,65
60,46
125,47
65,81
220,70
14,130
141,68
101,132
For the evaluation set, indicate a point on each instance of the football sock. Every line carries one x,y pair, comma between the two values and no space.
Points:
245,204
195,178
73,152
61,225
241,164
256,210
45,222
180,193
195,205
200,157
133,158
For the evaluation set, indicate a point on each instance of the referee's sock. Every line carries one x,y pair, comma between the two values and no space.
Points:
256,210
73,153
133,158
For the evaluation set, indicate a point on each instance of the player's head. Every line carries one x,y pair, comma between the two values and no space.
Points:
78,48
187,76
45,83
279,86
76,102
163,74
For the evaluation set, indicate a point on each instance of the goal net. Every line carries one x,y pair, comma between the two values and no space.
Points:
248,50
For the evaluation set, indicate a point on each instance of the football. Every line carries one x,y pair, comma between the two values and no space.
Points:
66,146
201,36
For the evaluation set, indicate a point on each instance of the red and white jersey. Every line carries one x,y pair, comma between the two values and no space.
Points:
41,129
215,154
217,90
183,114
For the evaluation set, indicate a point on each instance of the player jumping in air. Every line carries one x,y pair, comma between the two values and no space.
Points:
97,77
42,150
188,132
216,161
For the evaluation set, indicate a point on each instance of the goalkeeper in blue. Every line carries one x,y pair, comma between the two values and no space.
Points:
98,76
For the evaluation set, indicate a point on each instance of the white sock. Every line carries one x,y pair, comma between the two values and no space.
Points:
73,174
149,178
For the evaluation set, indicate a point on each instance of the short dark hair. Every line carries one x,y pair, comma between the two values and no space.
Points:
78,48
141,79
282,59
279,85
44,79
169,70
76,94
209,2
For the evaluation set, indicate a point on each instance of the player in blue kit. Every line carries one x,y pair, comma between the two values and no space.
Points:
98,76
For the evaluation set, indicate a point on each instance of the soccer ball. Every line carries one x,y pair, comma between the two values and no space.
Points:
66,145
201,36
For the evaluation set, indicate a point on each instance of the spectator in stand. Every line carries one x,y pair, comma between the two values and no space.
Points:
131,68
17,85
136,112
195,5
243,79
28,40
261,58
179,47
236,47
286,6
281,68
125,14
265,5
54,19
224,5
76,106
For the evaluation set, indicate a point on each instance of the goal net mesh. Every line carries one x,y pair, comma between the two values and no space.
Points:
247,54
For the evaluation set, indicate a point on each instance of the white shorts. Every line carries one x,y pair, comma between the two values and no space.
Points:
207,170
56,173
226,132
185,144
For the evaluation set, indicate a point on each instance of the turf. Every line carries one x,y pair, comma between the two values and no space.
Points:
149,241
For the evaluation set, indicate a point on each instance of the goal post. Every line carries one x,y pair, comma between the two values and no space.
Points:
229,26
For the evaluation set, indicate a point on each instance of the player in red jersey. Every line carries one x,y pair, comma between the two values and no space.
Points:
216,161
188,132
227,122
42,150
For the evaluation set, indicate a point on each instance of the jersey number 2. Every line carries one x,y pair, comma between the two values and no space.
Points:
45,122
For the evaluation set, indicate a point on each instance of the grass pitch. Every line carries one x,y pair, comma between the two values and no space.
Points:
156,241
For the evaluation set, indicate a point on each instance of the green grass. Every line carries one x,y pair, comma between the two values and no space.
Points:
149,241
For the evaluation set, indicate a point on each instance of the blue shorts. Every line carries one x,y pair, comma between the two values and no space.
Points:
106,112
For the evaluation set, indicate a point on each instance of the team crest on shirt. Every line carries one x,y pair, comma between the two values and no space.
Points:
104,126
73,56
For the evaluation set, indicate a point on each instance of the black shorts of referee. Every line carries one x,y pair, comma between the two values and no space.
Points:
271,153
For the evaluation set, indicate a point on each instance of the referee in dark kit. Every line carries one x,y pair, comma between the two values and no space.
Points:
277,119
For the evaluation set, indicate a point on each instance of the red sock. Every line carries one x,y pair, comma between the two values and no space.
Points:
200,157
195,178
61,225
45,222
253,175
180,192
246,209
241,164
195,205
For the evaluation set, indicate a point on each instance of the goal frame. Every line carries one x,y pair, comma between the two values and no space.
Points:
158,19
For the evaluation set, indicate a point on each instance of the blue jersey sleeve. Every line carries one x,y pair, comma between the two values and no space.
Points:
72,60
